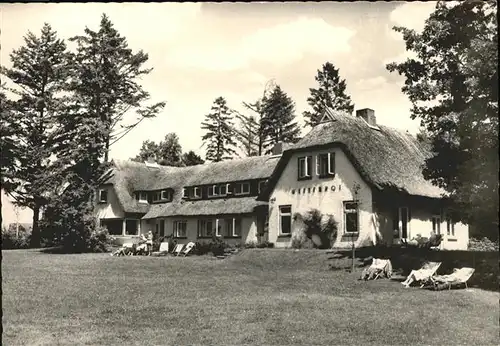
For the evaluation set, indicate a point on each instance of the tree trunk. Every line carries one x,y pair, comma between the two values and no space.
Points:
35,229
106,151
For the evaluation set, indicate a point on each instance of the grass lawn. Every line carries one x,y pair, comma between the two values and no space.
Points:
260,296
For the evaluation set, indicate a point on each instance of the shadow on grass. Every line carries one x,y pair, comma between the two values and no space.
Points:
485,263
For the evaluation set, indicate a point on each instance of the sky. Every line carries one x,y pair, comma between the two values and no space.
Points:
200,51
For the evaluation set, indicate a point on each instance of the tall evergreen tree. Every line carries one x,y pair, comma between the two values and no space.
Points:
219,134
331,92
453,86
247,134
39,74
106,80
279,119
8,144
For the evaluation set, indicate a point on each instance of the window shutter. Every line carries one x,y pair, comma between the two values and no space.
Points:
298,168
309,166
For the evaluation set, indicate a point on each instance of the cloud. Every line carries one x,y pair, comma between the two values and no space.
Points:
281,44
412,15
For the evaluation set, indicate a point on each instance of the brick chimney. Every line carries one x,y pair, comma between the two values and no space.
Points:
277,149
367,114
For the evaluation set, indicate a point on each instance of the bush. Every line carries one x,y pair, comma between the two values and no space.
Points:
216,246
265,244
11,240
320,229
484,244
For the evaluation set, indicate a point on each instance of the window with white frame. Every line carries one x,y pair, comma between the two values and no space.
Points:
196,192
325,165
436,224
166,195
241,188
180,229
262,185
351,217
206,228
143,197
285,219
185,192
103,196
212,191
450,227
232,227
304,167
156,197
223,189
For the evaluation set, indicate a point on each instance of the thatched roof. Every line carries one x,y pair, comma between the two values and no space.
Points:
227,206
129,176
385,157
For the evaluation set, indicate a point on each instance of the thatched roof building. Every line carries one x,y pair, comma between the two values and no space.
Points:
129,177
387,158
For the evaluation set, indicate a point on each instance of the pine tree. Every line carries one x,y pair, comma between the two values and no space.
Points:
219,132
106,80
39,74
247,134
278,120
8,144
331,92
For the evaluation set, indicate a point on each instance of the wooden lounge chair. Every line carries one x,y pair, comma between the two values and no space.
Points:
189,246
457,278
162,251
378,268
423,274
177,249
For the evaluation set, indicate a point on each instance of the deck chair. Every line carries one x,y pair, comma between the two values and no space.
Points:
457,278
422,275
378,268
177,249
189,246
162,251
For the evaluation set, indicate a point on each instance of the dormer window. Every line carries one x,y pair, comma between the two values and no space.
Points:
325,165
143,197
196,192
224,189
166,195
304,167
103,196
185,192
212,191
241,189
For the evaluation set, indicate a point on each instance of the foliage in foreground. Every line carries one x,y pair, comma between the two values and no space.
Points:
11,239
452,83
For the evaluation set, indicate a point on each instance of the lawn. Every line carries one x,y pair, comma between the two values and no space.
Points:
260,296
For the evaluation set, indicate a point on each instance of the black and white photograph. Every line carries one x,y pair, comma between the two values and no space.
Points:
249,173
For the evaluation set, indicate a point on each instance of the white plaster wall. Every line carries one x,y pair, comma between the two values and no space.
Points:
329,202
248,229
112,209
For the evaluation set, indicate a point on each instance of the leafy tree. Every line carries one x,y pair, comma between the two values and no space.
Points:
219,132
453,86
39,74
170,151
191,159
278,121
331,92
106,80
149,149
